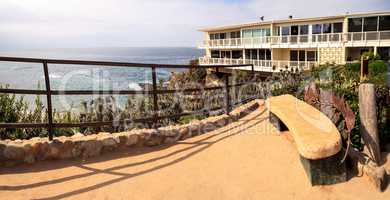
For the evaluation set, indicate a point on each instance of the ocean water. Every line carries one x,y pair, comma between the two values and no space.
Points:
78,77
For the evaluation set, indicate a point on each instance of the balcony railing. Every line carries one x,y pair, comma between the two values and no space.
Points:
314,39
261,65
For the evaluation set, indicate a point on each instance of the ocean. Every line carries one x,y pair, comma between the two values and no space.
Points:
76,77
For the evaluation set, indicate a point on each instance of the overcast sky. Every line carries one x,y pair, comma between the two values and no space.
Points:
29,24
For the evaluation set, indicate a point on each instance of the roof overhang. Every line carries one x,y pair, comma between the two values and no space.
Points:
294,20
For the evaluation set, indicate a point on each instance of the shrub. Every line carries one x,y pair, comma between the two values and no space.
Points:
377,67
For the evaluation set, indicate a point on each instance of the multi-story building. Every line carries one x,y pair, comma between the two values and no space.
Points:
298,43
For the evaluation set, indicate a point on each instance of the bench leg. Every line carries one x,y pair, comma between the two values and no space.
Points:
275,121
325,171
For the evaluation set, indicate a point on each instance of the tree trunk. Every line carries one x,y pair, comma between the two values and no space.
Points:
368,118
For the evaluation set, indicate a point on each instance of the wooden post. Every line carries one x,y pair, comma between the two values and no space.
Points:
368,118
363,69
155,98
49,105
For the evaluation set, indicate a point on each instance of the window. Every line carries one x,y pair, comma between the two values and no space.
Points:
302,55
355,25
222,36
212,36
268,54
370,24
304,30
247,33
262,54
293,55
267,32
225,54
286,30
235,34
247,54
294,30
384,23
236,54
254,54
337,27
215,54
257,32
327,28
317,28
311,55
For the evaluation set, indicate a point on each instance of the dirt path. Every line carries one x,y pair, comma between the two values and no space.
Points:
246,160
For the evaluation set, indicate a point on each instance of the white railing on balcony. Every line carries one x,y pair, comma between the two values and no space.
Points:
261,65
314,39
375,36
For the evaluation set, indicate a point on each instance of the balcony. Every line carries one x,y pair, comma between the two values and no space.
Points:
261,65
376,38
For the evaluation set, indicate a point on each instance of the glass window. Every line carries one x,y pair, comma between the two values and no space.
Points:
216,36
215,54
247,54
355,25
254,54
294,30
317,28
384,23
257,32
327,28
304,30
293,55
222,36
261,54
212,36
235,34
268,54
311,55
302,55
236,54
337,27
247,33
267,32
370,24
286,30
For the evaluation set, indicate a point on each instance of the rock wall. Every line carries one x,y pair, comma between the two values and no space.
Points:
80,146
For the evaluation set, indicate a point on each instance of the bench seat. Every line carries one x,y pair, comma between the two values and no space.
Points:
316,138
315,135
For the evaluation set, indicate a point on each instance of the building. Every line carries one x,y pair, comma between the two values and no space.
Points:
298,43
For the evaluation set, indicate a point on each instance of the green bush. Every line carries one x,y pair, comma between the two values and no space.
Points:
354,67
377,67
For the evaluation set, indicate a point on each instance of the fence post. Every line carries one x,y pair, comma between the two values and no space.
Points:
155,98
48,96
227,94
368,118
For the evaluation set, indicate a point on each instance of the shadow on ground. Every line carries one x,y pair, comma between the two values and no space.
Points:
204,143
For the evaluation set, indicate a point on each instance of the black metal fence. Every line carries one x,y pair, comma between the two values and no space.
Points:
50,125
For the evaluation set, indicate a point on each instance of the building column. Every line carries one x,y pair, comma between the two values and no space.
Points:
375,50
318,56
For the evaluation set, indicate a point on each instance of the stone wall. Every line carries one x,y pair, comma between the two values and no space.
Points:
80,146
332,55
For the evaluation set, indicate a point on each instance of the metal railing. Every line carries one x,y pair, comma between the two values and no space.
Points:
261,65
313,39
50,125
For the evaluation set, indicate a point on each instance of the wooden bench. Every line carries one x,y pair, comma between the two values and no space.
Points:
317,139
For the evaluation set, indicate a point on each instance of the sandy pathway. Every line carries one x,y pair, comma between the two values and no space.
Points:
246,160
